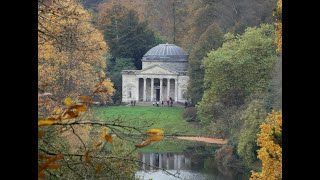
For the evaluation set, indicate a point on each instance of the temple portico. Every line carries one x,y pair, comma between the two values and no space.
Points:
163,76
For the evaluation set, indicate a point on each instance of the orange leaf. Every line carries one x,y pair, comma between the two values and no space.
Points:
41,175
80,108
99,166
40,133
41,156
71,114
85,98
53,166
45,122
108,138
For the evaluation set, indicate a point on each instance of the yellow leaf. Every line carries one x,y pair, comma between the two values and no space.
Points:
45,122
154,138
108,138
68,101
104,133
155,131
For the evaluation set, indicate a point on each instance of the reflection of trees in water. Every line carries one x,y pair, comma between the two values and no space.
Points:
197,159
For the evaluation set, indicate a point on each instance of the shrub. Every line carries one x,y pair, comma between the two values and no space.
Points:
227,162
190,114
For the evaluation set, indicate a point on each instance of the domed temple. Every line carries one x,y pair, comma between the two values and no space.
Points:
163,75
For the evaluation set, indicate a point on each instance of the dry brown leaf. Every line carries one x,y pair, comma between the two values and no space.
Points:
143,144
87,157
98,168
40,134
99,144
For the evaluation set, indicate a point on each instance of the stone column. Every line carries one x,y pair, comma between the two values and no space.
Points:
152,82
161,89
160,160
151,160
144,88
144,161
168,89
176,90
137,90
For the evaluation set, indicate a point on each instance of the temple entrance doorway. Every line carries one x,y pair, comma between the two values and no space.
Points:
158,94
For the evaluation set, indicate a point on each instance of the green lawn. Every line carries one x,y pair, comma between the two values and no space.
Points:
168,119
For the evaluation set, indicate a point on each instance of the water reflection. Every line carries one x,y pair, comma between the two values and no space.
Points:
186,165
168,161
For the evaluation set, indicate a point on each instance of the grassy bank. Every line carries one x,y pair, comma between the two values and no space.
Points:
168,119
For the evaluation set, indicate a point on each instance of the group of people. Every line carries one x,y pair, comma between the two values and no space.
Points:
133,103
156,102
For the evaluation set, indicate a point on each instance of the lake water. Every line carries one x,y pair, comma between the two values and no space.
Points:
185,165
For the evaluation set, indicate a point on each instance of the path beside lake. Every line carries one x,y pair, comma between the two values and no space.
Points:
202,139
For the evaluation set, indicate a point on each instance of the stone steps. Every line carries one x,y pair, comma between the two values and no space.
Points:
141,103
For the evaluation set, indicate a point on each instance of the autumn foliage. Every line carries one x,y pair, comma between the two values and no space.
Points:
270,140
71,67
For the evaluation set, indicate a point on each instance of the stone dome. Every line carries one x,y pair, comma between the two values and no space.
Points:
166,52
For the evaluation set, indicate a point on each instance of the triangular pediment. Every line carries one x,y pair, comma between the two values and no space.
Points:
158,69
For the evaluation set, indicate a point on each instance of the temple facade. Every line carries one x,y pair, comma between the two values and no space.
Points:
163,76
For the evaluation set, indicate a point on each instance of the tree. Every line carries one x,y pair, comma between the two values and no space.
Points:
230,15
240,68
270,153
211,39
252,117
126,36
70,50
114,72
278,15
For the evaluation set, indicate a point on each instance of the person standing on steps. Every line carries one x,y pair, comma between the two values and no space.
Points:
168,102
134,102
162,103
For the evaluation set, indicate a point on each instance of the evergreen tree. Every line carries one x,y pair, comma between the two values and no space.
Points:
127,37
